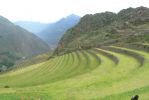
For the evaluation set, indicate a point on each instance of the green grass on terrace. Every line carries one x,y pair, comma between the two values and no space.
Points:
81,75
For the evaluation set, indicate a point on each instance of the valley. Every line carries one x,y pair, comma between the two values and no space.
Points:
102,56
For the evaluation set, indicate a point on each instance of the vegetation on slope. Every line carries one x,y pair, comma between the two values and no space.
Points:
7,60
105,73
128,26
17,43
96,74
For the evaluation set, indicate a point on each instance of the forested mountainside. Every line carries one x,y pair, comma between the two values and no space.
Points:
17,43
127,26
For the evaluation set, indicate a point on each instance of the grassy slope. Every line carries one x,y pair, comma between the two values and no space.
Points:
80,76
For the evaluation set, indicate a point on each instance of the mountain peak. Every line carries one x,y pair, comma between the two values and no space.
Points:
139,14
4,20
55,31
71,16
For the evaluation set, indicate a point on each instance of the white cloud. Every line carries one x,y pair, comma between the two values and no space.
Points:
52,10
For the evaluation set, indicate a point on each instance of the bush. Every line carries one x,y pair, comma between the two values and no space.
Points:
6,86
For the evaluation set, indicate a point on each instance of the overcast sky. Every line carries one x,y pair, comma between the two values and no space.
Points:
52,10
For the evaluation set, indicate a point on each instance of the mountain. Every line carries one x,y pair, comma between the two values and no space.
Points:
17,43
53,32
34,27
130,25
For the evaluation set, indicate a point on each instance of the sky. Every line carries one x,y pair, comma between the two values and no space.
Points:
46,11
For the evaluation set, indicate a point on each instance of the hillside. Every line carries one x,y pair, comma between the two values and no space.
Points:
104,57
53,32
127,26
107,73
17,43
34,27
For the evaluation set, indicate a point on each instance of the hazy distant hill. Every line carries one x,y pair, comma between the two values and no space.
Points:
16,42
128,26
34,27
53,32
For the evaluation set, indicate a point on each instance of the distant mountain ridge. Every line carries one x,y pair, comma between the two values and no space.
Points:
16,42
53,32
12,35
34,27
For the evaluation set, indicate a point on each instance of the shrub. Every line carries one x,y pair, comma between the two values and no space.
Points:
6,86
